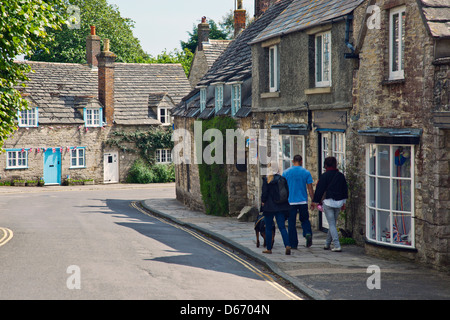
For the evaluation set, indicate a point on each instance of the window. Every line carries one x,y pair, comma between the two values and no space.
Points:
93,117
164,115
202,99
336,149
219,97
17,159
397,43
323,59
390,194
77,158
289,146
163,156
274,69
235,98
28,118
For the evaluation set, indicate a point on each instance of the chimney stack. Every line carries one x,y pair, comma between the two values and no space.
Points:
239,18
92,48
106,67
261,6
203,33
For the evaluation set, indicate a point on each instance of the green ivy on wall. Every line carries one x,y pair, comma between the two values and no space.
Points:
213,177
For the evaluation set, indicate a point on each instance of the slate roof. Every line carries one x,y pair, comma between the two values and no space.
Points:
62,90
235,64
437,17
303,14
213,49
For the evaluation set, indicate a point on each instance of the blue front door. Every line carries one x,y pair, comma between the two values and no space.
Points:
52,166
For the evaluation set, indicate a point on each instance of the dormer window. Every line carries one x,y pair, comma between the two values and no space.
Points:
93,117
164,115
28,118
202,99
218,96
236,98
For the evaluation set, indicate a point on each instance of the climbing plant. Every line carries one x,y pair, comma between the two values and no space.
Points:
143,142
213,177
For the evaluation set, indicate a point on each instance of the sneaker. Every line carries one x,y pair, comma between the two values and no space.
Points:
308,240
336,249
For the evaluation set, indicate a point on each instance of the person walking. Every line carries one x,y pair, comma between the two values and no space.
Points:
300,184
332,188
271,209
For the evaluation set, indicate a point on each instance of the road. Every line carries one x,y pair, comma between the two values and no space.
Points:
97,243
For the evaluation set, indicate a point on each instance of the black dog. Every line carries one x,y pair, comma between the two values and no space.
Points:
260,228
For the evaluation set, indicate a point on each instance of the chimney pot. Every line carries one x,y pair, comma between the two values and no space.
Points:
106,45
92,30
92,48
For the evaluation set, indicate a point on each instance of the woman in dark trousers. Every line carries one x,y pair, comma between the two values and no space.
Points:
271,209
333,185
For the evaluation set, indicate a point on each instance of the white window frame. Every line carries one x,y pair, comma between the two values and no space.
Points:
322,59
16,159
93,117
296,146
202,99
218,96
400,72
236,98
167,118
77,154
28,118
274,69
375,210
163,156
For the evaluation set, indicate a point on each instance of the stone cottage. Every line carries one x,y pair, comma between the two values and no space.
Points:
399,130
75,109
224,91
303,65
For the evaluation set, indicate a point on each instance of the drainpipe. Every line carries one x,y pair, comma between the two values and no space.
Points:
348,23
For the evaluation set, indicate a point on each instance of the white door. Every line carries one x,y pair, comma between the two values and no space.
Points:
111,167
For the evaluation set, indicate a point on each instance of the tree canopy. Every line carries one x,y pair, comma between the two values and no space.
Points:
24,27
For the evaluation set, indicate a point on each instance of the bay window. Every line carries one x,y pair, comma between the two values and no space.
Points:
390,194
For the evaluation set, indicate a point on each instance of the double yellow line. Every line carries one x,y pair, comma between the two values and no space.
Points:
7,235
267,278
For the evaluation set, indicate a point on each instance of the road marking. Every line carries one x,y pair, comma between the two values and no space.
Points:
266,277
7,235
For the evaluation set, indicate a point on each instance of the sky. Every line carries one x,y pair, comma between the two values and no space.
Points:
161,24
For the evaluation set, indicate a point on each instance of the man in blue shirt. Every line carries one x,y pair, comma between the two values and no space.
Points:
300,184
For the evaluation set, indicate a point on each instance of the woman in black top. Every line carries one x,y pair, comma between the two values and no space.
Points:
332,188
272,209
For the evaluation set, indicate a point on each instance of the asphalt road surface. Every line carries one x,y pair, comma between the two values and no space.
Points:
61,243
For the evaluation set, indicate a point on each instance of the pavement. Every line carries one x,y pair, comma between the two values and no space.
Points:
317,273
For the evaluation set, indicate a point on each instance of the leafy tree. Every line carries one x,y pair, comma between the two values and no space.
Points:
214,33
176,56
70,43
24,27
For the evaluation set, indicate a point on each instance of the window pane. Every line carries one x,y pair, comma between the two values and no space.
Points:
326,57
384,229
402,195
319,58
395,41
402,229
372,224
402,58
372,193
372,159
383,194
402,162
383,160
74,158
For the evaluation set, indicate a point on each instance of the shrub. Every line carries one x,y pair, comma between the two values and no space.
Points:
141,172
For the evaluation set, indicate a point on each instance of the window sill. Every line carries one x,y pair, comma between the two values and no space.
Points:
397,247
318,90
388,82
74,168
266,95
17,168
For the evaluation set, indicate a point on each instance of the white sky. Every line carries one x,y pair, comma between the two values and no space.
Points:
161,24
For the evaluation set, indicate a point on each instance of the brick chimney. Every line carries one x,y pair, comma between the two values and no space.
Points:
261,6
239,18
92,48
203,33
106,67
